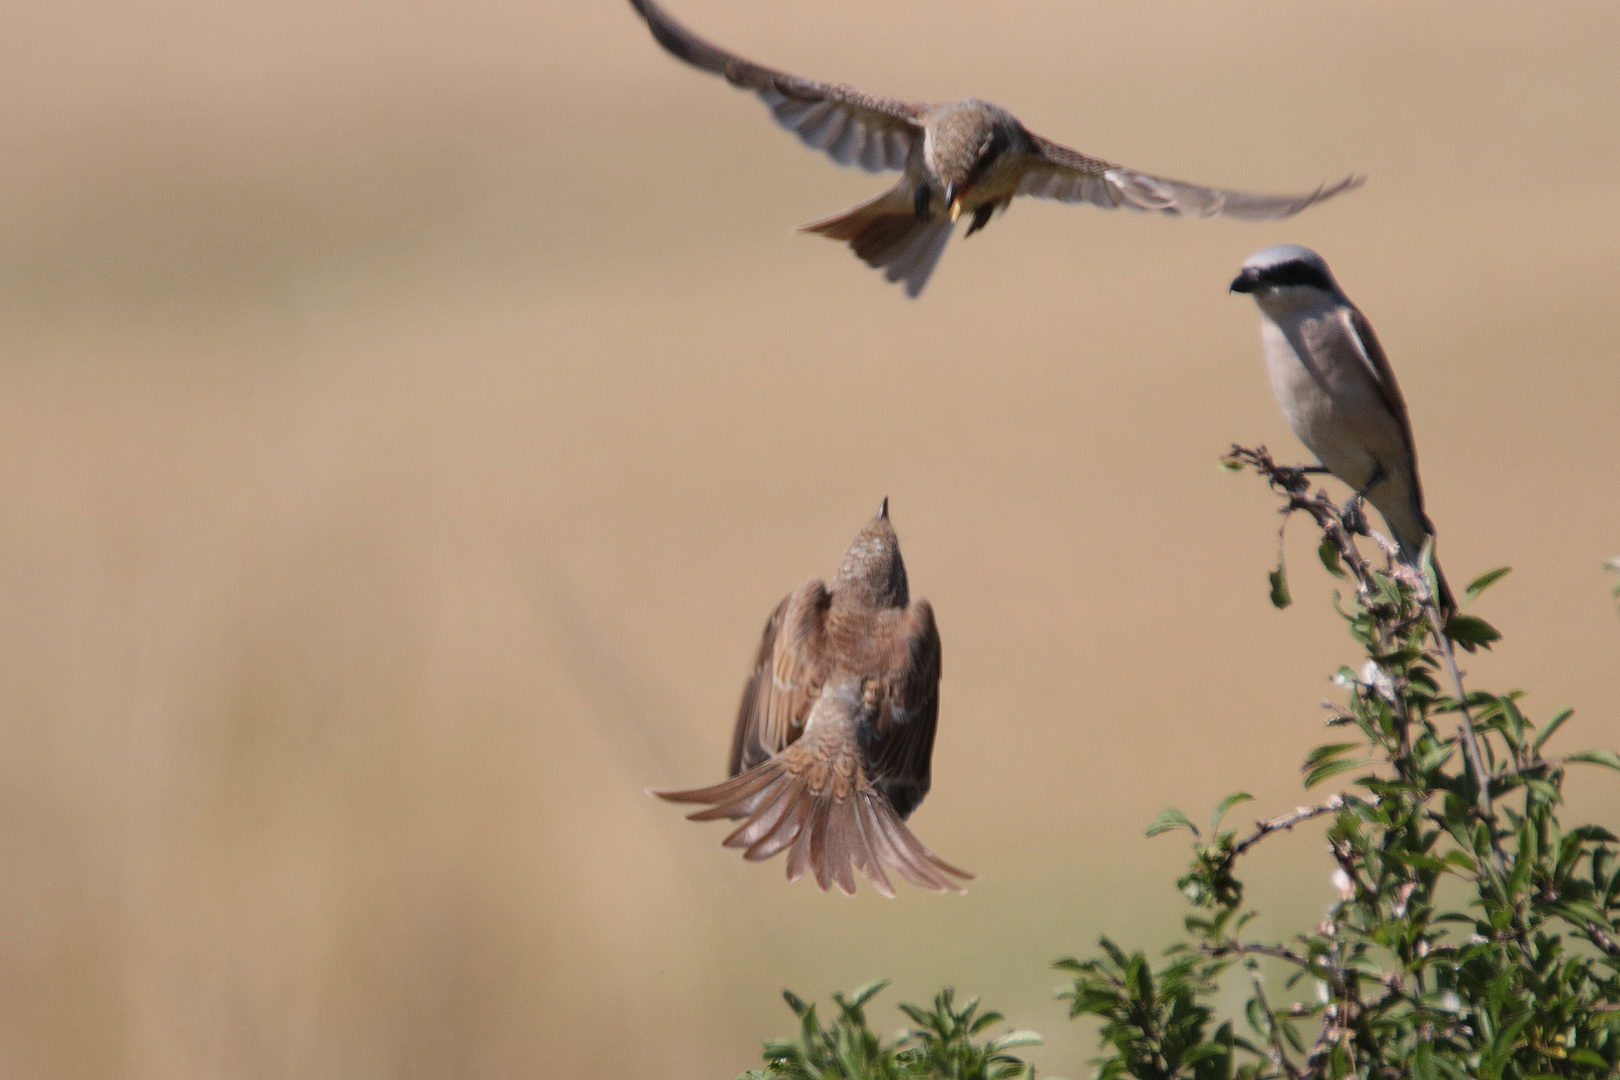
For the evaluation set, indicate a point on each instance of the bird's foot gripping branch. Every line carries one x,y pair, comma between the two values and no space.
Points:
1474,936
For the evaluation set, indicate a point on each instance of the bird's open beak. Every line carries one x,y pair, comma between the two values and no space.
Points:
956,209
953,200
1246,281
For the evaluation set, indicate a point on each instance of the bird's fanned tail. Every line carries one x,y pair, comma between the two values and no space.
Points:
828,828
887,233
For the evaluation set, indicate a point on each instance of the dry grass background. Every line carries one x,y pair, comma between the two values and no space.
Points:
410,412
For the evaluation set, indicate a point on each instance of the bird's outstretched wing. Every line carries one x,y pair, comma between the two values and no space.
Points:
902,744
1056,172
787,677
852,128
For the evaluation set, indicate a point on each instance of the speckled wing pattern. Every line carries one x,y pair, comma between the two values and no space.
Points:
1066,175
786,679
851,127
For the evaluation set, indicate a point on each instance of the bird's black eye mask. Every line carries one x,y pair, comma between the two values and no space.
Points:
1296,272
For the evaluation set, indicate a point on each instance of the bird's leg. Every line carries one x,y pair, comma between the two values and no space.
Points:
920,198
1354,518
981,218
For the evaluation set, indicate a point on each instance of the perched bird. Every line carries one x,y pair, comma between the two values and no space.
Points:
968,157
1338,392
836,728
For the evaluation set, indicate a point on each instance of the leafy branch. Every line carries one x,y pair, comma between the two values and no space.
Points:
1474,935
939,1046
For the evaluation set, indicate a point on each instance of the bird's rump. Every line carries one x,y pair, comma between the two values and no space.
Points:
815,801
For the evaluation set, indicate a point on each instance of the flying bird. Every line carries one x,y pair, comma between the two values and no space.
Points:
836,728
968,157
1338,392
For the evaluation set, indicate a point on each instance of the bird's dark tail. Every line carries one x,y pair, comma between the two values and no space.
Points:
886,232
828,824
1444,598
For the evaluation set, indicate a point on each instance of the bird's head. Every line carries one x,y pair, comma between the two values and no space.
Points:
1286,274
872,570
963,142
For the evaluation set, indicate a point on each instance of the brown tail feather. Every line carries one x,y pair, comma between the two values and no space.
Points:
868,862
823,834
907,855
754,830
886,232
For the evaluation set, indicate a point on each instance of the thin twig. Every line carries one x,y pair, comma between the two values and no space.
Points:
1476,761
1292,482
1277,952
1263,829
1279,1056
1602,940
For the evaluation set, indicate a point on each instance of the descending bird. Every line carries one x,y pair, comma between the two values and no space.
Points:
1338,392
968,157
836,728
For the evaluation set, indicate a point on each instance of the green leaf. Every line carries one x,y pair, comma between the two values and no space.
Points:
1279,587
1597,757
1226,804
1416,861
1486,580
1171,819
1461,860
865,993
1331,768
1328,552
1471,630
1552,725
1329,752
1020,1037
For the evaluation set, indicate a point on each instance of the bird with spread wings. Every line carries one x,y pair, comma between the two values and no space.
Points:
968,157
835,732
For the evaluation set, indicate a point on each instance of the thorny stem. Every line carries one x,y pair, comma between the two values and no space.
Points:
1476,761
1292,481
1277,952
1278,1055
1265,828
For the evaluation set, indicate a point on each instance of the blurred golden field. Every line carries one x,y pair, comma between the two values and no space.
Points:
409,414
